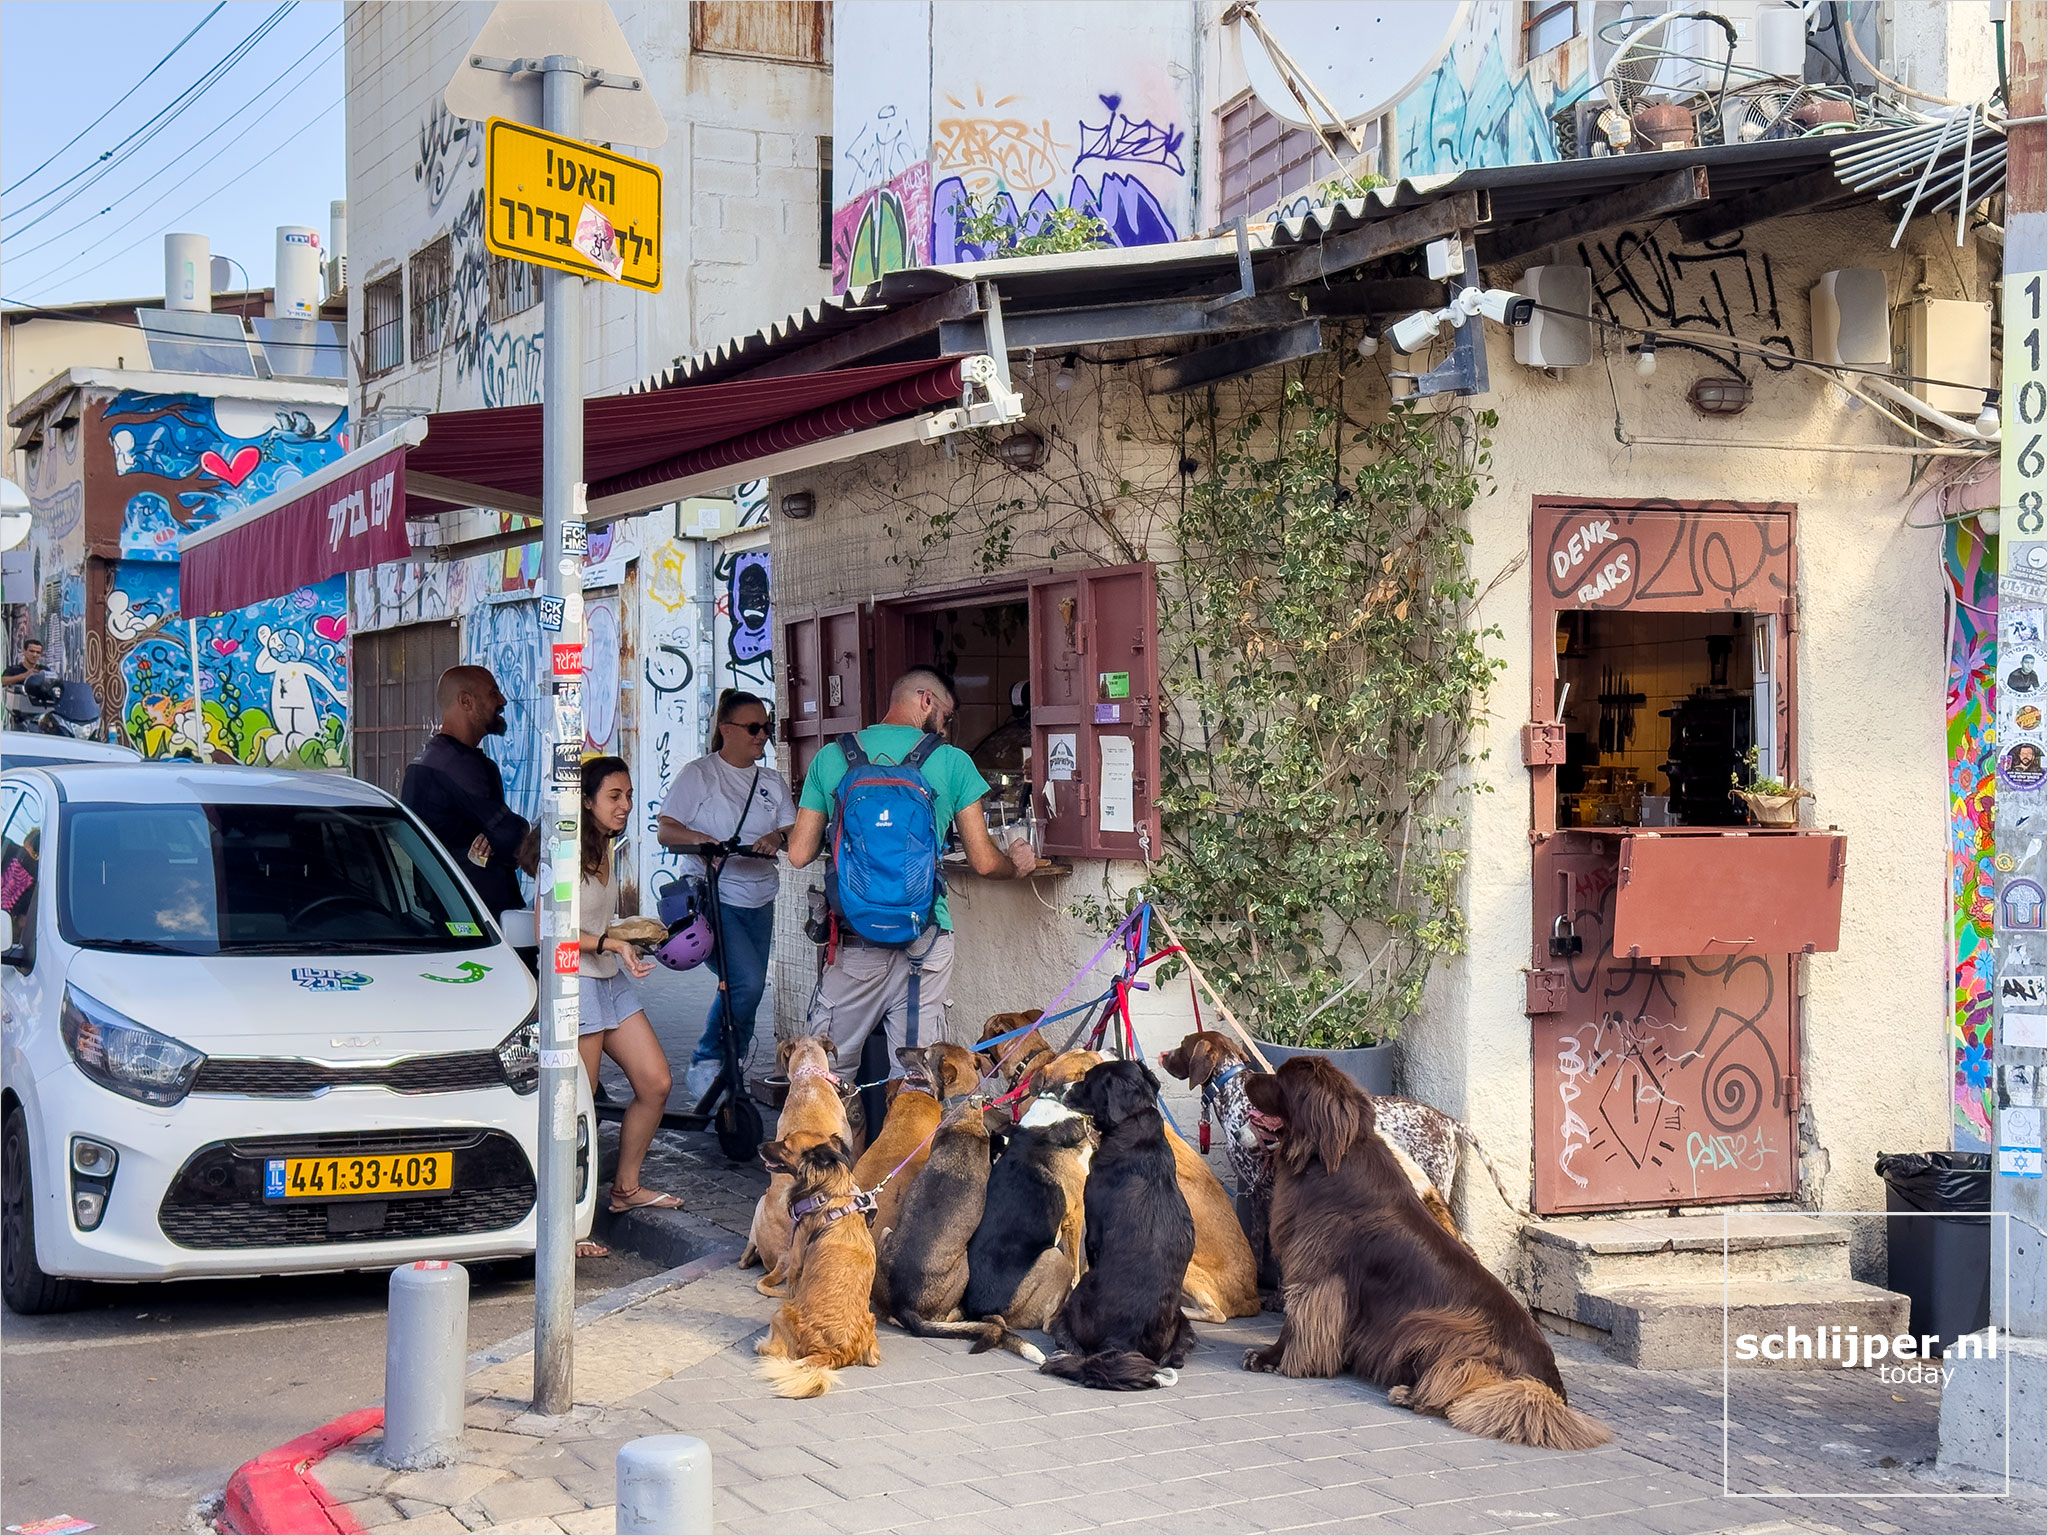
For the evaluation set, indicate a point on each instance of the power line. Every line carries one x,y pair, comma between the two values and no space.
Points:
114,158
138,85
276,81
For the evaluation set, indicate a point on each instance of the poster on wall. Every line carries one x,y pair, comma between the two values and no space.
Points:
1119,772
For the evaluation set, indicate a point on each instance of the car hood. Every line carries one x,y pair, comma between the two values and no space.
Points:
327,1008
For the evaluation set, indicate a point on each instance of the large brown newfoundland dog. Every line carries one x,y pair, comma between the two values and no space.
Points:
1374,1286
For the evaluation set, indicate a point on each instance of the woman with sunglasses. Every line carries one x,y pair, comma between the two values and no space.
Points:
730,792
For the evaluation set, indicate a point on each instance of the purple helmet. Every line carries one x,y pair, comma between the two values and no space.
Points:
687,946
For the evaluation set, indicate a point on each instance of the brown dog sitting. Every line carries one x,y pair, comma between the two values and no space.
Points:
812,1108
1014,1058
825,1323
1377,1288
931,1073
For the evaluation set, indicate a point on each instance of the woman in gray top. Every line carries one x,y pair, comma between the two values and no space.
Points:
613,1022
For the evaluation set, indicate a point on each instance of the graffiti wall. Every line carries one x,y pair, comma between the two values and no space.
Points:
1483,106
272,680
1971,562
1088,109
54,471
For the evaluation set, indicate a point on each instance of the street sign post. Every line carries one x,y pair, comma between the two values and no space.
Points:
562,203
568,50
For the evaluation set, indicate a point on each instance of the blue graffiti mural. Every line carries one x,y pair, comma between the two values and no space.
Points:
506,637
1500,119
1129,210
1120,139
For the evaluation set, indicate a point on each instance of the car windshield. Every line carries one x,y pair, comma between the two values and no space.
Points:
259,879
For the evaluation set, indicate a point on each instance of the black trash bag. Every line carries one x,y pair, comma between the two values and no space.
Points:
1938,1238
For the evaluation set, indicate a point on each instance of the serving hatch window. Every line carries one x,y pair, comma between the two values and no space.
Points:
259,879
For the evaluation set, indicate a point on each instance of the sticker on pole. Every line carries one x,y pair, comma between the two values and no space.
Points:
568,661
551,615
569,762
576,538
567,204
566,957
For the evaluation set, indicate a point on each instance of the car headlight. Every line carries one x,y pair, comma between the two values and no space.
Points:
519,1057
124,1056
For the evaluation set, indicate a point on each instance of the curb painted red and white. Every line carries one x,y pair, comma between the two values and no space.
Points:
279,1492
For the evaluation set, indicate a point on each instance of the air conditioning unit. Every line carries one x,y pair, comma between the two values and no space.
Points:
1552,340
1948,339
1852,325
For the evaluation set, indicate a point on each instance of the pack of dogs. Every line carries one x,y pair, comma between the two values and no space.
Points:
1039,1190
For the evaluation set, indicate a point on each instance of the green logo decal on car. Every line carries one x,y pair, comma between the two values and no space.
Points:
471,971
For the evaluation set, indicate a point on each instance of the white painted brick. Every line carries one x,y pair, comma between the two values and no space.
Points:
726,176
736,144
782,149
791,185
724,245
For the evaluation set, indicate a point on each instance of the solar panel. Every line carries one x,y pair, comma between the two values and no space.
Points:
302,349
195,341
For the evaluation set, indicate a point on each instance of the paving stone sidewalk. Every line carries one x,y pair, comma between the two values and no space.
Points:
938,1440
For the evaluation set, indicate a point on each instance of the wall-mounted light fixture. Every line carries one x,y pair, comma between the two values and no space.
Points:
1646,357
1720,397
798,505
1064,379
1022,450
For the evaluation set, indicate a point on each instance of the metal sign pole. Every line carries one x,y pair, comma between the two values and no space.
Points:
563,541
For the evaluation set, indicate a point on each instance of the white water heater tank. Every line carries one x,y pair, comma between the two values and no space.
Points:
298,272
337,247
188,272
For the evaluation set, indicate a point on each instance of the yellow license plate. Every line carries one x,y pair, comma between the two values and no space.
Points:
347,1178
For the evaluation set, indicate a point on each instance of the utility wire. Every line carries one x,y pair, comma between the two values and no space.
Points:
138,85
114,158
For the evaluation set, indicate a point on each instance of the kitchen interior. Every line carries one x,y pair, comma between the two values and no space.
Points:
1660,713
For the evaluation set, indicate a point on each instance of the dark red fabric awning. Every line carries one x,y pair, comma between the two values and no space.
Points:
458,459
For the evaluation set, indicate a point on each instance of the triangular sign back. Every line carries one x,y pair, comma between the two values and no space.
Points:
581,29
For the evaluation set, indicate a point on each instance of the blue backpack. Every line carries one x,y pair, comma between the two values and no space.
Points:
883,881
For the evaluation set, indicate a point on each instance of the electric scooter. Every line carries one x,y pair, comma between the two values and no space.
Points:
726,1108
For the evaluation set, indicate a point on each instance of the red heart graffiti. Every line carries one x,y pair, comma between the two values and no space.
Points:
331,626
227,647
234,470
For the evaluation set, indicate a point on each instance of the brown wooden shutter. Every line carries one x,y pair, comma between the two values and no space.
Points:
1095,675
826,667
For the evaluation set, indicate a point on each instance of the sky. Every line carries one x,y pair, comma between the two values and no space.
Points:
262,144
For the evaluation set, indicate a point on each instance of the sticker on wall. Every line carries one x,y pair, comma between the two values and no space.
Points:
2022,899
575,538
2019,1141
566,958
2024,766
1115,685
1060,757
1119,772
551,614
2030,990
1109,714
2017,586
2025,1029
2025,676
569,761
2022,954
2023,627
568,660
2030,555
2027,717
314,979
2020,1083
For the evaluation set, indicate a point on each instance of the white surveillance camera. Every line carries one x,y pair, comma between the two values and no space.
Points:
1506,308
1415,332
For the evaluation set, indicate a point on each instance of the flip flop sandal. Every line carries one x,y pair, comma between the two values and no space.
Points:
642,1199
588,1249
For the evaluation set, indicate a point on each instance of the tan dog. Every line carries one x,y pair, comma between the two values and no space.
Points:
1014,1058
825,1323
813,1108
1054,1075
1223,1278
914,1114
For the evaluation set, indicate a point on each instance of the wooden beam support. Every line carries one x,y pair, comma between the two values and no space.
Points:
1793,196
1643,203
876,335
1234,359
1383,237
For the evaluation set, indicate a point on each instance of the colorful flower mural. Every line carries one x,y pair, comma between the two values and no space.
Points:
1972,569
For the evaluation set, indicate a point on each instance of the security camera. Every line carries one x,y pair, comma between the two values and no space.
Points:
1505,308
1417,331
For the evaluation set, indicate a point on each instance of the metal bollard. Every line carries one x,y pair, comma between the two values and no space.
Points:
426,1342
664,1485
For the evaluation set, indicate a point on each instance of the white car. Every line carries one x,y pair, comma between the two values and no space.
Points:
256,1023
34,749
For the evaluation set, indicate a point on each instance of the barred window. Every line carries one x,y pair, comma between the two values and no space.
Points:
515,286
433,274
384,324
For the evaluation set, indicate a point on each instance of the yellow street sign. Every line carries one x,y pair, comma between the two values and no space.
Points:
571,205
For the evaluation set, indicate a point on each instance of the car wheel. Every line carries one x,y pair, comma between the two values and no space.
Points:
28,1290
739,1128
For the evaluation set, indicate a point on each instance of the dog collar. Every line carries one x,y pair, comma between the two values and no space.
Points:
830,1077
1223,1079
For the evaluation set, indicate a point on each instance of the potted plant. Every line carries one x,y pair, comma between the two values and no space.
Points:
1772,801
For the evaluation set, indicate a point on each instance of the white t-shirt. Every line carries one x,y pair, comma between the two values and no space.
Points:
707,796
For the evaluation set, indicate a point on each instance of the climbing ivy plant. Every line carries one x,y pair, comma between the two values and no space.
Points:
1327,669
992,226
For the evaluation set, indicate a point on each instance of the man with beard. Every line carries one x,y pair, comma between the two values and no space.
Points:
865,984
457,791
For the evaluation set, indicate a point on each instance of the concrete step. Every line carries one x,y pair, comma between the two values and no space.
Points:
1568,1256
1671,1325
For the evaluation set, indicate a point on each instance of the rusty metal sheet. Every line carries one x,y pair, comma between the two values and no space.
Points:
1663,557
1656,1085
1730,893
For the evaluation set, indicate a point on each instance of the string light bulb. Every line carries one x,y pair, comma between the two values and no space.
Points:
1646,357
1064,379
1987,419
1368,345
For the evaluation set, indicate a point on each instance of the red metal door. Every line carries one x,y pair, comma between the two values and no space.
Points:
1661,1082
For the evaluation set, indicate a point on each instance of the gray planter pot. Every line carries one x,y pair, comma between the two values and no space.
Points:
1371,1067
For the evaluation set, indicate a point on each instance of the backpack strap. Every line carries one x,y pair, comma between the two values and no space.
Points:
849,743
929,744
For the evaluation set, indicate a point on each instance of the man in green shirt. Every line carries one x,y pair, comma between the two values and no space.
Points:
866,984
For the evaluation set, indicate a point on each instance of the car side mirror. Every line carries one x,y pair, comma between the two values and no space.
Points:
519,928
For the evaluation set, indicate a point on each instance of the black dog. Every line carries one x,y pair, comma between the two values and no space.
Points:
1023,1257
1122,1328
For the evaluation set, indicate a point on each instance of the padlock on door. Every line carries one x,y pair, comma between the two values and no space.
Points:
1564,939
